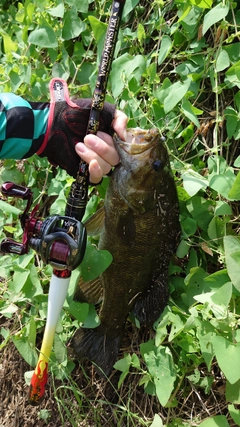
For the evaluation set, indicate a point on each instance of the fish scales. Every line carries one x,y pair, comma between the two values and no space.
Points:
140,229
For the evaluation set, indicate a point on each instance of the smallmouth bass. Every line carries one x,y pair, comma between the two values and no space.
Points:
140,228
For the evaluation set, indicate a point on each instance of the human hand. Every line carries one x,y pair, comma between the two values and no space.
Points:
99,151
67,126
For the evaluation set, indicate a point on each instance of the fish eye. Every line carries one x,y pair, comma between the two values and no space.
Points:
158,165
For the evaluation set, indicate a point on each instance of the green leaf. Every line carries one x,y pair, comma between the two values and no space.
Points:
55,187
183,249
78,310
201,210
58,207
218,301
222,208
233,74
176,92
123,365
235,414
12,174
9,229
92,320
237,162
217,279
216,14
232,120
176,328
161,367
7,208
125,67
8,310
165,47
141,35
233,392
147,347
223,183
32,286
232,254
157,421
57,11
188,111
189,227
195,284
234,193
24,348
81,5
9,44
223,295
5,333
20,15
129,6
59,349
217,421
99,28
185,12
225,352
203,4
32,333
223,61
193,182
205,334
43,37
99,31
19,278
216,228
72,24
94,263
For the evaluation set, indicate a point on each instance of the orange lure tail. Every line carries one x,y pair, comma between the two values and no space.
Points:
38,382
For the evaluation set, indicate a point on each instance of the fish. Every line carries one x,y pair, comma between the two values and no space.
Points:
139,226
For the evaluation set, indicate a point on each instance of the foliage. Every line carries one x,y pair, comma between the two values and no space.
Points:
176,67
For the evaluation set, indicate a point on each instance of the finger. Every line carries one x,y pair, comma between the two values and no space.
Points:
119,124
103,147
95,172
88,155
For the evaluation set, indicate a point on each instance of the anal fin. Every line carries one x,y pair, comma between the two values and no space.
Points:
151,303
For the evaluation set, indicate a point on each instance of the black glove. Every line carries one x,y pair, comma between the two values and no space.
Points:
67,125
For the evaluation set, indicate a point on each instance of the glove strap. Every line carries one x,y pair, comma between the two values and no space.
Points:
58,93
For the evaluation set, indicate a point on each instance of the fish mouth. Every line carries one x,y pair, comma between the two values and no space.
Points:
139,140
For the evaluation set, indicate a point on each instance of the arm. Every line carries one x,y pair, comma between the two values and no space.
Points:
30,127
22,126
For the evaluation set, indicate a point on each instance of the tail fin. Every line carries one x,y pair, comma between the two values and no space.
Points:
97,346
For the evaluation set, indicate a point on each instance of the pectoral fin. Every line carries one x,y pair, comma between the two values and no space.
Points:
95,223
90,292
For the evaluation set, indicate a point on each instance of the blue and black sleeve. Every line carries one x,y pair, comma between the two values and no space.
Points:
22,126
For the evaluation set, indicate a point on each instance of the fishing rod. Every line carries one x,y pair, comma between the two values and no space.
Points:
61,240
77,199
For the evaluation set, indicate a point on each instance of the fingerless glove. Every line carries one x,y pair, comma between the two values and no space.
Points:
67,125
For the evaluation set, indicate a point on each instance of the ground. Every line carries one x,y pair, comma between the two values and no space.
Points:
92,402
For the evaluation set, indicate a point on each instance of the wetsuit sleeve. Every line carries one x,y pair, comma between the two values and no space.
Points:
22,126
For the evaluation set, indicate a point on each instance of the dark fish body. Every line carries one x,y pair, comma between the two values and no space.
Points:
140,230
